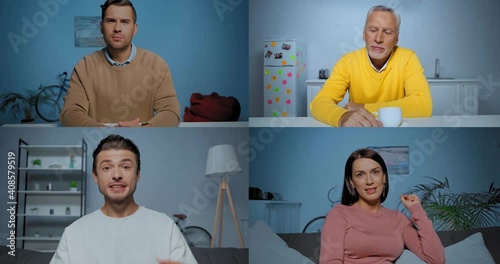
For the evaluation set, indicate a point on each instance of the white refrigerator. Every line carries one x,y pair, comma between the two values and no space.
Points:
285,88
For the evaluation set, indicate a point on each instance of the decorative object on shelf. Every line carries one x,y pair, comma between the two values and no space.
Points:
50,234
222,163
37,235
55,166
71,161
51,211
73,186
49,187
36,163
34,211
68,211
450,211
37,186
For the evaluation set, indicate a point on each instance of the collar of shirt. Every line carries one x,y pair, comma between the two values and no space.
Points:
383,67
114,63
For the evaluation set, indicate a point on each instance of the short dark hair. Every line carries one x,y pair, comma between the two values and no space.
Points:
349,193
117,142
108,3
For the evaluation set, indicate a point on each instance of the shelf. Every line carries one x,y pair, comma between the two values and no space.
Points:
46,170
40,238
55,216
61,193
54,149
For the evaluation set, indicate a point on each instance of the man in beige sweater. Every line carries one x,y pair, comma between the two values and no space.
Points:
121,84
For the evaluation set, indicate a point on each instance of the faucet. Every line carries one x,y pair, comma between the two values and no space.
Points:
436,69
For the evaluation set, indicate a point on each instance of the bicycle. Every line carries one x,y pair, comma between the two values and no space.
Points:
50,99
316,224
195,236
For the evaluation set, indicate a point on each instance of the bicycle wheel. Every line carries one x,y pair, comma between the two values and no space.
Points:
197,237
315,225
49,102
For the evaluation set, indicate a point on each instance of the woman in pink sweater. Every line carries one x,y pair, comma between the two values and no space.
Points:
361,230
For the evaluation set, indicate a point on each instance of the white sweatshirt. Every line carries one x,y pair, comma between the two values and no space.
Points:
143,237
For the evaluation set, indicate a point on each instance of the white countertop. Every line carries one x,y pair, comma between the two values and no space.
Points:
182,124
434,121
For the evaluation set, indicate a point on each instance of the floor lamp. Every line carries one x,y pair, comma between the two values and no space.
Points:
222,163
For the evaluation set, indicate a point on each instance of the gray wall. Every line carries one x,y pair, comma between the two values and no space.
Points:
463,34
172,175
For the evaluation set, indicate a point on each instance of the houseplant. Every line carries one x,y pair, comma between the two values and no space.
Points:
73,186
20,105
458,211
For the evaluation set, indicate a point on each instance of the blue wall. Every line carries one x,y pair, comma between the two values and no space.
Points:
206,48
172,171
302,164
463,34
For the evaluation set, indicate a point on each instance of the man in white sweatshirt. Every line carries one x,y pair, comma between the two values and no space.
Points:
121,231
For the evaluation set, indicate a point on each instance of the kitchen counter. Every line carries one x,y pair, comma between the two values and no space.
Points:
182,124
434,121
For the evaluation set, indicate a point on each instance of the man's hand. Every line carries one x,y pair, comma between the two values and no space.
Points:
132,123
409,199
353,106
358,117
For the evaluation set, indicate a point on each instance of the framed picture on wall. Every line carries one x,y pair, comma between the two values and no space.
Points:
397,159
88,32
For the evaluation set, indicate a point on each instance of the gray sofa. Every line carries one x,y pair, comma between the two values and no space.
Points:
309,244
202,255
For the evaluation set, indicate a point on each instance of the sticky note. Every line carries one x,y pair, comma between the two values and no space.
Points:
274,78
266,72
288,101
280,72
273,44
290,74
285,114
277,99
268,86
283,82
276,90
269,101
288,90
283,62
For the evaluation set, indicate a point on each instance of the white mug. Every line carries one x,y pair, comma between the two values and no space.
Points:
389,116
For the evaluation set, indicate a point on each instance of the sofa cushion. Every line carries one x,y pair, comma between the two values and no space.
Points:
307,244
469,250
267,247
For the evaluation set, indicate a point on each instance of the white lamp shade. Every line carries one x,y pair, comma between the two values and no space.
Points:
222,160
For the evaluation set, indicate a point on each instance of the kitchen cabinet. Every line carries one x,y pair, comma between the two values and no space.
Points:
50,192
454,97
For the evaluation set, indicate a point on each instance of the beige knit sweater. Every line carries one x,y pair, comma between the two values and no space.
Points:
101,93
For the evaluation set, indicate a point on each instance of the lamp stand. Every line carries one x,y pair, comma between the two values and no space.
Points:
224,188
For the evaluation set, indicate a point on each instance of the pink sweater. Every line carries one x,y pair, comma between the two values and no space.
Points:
353,235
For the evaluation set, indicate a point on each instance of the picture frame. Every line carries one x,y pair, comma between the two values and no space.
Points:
396,158
88,32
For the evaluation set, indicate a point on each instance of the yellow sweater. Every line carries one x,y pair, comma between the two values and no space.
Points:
401,84
102,93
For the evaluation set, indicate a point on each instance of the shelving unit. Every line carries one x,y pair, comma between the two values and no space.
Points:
46,205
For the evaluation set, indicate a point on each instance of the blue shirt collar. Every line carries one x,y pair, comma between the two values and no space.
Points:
128,61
